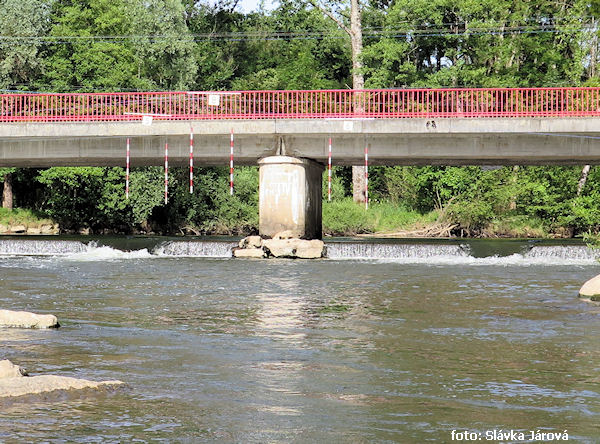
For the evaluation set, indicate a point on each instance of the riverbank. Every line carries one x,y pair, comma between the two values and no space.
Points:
25,221
340,218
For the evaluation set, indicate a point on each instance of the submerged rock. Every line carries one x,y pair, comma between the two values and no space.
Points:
25,319
15,383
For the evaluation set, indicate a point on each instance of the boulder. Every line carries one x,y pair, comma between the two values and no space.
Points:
33,230
49,229
310,249
15,382
3,229
287,234
251,242
10,370
281,247
18,229
24,319
256,253
294,248
591,289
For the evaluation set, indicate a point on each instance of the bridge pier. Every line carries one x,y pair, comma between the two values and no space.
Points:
290,196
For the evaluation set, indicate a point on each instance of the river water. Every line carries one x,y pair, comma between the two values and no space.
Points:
381,342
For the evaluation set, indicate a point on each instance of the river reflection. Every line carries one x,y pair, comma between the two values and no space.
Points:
304,351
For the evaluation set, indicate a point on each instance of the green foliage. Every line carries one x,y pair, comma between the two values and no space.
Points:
345,217
22,216
19,59
337,184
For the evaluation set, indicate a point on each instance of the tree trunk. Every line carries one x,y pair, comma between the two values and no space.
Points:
358,82
7,193
584,174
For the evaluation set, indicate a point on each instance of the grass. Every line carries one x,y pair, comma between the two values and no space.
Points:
345,218
20,216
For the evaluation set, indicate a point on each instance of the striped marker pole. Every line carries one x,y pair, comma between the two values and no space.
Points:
231,163
166,172
127,172
329,173
191,160
366,177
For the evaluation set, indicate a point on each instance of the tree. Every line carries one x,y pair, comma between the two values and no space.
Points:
112,45
7,189
355,33
22,23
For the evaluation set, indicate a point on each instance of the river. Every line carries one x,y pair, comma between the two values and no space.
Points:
382,342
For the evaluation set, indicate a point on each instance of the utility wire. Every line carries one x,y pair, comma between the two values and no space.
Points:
295,35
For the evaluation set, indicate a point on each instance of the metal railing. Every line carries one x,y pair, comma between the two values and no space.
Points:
383,103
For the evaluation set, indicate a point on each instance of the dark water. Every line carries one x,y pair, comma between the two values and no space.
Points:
402,350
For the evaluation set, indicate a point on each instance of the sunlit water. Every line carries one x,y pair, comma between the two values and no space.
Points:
375,349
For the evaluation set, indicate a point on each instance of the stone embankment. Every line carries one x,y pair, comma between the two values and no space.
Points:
45,229
590,291
282,245
15,382
25,319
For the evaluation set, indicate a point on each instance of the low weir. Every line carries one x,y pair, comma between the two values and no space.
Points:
405,251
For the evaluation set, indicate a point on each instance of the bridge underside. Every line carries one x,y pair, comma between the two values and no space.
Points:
456,141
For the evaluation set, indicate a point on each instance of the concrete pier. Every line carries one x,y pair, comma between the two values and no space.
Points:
290,196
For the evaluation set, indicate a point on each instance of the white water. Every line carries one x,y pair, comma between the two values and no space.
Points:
195,249
459,254
429,254
26,247
95,253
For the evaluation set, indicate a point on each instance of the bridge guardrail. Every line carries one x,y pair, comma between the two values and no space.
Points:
381,103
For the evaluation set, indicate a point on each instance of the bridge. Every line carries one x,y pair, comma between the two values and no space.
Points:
290,131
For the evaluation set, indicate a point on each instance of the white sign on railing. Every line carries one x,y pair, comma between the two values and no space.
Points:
147,120
214,99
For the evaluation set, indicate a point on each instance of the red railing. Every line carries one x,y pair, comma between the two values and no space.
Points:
386,103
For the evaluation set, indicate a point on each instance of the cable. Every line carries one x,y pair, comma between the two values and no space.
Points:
306,35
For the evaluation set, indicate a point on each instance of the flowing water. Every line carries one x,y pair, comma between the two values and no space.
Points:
381,342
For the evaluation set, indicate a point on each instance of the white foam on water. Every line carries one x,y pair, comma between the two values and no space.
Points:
218,249
458,255
95,253
30,247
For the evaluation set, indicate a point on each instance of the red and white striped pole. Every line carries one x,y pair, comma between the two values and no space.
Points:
231,163
191,160
127,172
329,173
367,177
166,172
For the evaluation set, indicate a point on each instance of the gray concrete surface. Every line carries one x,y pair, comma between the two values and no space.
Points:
290,197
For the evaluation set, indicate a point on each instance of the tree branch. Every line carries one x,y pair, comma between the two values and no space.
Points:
331,16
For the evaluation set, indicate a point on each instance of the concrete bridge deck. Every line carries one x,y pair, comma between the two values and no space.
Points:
391,141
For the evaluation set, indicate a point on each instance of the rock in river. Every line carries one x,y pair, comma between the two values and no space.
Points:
24,319
591,289
14,383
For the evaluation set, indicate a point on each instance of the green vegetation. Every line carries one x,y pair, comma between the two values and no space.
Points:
25,217
141,45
